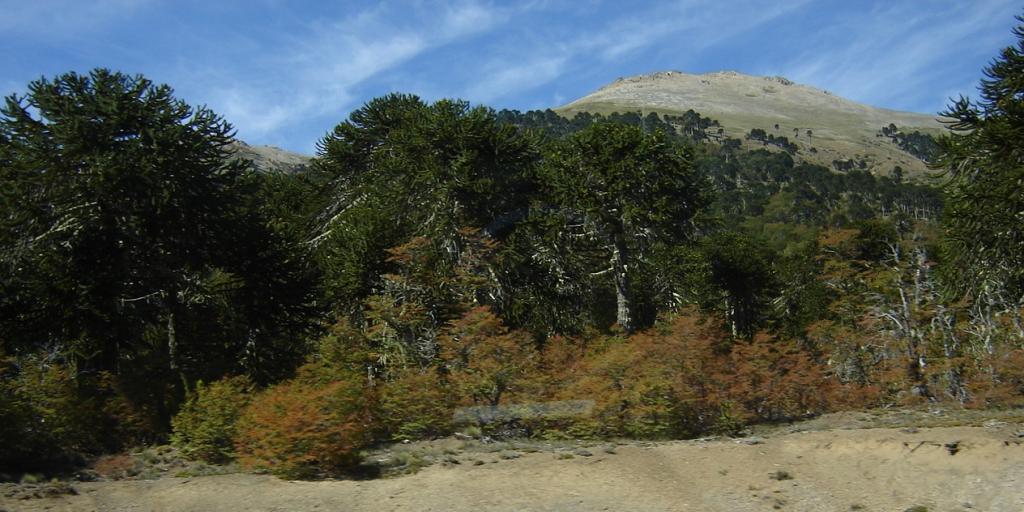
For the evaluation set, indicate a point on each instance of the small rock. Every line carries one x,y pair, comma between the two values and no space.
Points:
953,448
583,453
87,476
910,430
752,440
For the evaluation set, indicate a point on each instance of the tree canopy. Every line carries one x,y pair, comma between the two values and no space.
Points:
628,191
983,160
131,239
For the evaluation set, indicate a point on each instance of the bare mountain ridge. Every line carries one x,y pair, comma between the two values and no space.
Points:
271,158
841,129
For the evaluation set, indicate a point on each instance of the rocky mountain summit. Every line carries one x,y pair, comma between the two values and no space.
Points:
272,158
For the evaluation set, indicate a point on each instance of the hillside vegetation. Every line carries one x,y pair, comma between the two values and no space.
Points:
443,268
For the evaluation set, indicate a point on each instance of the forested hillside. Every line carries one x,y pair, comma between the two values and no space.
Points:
439,256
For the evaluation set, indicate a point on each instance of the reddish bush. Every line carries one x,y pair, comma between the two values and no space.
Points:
487,363
117,467
632,384
687,376
650,385
306,426
774,379
999,380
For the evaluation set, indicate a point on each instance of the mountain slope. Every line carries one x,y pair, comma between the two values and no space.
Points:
840,129
271,158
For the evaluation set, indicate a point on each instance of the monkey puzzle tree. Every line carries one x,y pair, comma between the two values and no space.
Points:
414,192
129,238
983,159
627,190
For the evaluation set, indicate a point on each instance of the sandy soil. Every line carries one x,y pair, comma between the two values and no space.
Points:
886,469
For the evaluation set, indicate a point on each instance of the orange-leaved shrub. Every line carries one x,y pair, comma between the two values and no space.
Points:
998,380
487,363
687,376
311,425
774,379
630,381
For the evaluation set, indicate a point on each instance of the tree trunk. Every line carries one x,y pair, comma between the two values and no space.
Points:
172,352
172,343
624,310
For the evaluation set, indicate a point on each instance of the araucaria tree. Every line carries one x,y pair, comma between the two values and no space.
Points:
412,189
627,191
129,240
983,157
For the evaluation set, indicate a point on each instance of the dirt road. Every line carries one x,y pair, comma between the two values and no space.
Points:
943,469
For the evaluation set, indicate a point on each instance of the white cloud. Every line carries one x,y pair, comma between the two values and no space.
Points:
324,65
63,19
891,56
504,79
535,61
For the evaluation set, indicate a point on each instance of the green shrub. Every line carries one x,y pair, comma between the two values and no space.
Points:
205,426
46,418
415,405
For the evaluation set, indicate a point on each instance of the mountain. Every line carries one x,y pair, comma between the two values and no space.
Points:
271,158
826,129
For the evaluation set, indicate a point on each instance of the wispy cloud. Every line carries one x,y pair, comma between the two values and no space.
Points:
325,64
62,19
284,71
537,60
891,56
502,79
694,25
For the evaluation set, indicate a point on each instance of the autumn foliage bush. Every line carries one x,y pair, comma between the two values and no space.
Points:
631,384
310,425
687,377
998,381
488,364
774,379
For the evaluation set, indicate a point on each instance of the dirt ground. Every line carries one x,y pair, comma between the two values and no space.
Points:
823,466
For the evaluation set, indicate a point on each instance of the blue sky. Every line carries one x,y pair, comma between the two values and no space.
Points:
285,72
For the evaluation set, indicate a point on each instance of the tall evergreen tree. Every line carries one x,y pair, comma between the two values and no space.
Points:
983,160
400,168
627,190
130,239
